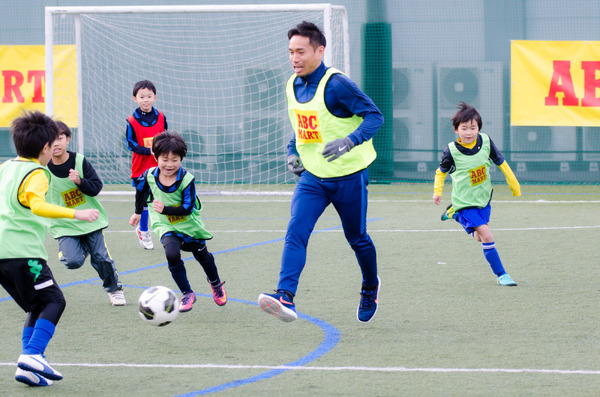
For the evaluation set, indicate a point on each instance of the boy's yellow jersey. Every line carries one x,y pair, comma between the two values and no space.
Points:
32,194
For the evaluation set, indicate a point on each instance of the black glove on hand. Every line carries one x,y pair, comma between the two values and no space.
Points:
336,148
294,164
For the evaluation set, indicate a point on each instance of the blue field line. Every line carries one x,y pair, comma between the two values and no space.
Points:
93,280
332,337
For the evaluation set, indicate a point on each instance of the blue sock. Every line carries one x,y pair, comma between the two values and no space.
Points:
27,332
42,333
144,220
491,255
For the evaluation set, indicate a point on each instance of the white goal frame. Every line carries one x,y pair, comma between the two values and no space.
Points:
49,42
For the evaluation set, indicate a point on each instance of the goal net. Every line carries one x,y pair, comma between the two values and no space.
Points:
220,74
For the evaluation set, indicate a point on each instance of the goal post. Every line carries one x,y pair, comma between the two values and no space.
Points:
220,73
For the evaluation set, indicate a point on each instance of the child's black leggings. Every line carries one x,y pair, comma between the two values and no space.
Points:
174,245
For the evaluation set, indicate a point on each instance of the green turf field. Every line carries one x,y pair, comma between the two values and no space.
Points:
444,328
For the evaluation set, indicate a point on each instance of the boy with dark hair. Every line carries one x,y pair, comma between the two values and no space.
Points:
467,160
75,184
24,222
175,216
145,123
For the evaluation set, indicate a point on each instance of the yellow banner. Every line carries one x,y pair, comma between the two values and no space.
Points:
23,82
555,83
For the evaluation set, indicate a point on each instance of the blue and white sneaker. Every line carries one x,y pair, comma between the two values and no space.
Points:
368,304
31,378
279,304
506,281
449,213
37,363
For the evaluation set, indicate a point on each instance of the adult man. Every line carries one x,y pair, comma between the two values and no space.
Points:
331,149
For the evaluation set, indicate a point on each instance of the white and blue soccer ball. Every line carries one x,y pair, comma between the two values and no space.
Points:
158,306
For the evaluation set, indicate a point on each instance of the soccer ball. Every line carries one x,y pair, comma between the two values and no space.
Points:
158,306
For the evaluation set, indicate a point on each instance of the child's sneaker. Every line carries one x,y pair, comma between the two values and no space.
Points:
37,363
368,304
219,294
31,378
145,238
506,281
187,300
449,213
280,305
117,298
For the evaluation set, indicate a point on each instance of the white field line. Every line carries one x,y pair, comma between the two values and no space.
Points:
206,200
211,193
242,200
496,201
339,369
519,229
242,197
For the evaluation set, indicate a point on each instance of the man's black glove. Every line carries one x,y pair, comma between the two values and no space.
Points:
294,164
336,148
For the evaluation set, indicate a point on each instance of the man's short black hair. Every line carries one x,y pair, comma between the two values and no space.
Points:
31,132
143,84
169,142
310,30
465,114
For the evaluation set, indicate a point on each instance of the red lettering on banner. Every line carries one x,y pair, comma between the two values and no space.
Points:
562,82
591,83
13,80
37,76
562,73
312,123
13,83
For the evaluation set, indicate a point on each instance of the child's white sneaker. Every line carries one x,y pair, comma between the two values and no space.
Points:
117,298
37,363
145,239
31,378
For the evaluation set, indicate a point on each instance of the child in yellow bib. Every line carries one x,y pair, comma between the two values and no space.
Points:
75,184
24,222
467,161
170,194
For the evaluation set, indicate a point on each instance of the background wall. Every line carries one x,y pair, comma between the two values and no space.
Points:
440,52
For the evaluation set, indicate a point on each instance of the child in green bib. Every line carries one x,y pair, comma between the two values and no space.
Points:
75,184
24,220
169,192
468,160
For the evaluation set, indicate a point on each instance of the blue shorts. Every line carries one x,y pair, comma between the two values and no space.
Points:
470,218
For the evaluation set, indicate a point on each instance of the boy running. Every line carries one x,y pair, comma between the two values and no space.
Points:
24,222
467,161
75,184
175,216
